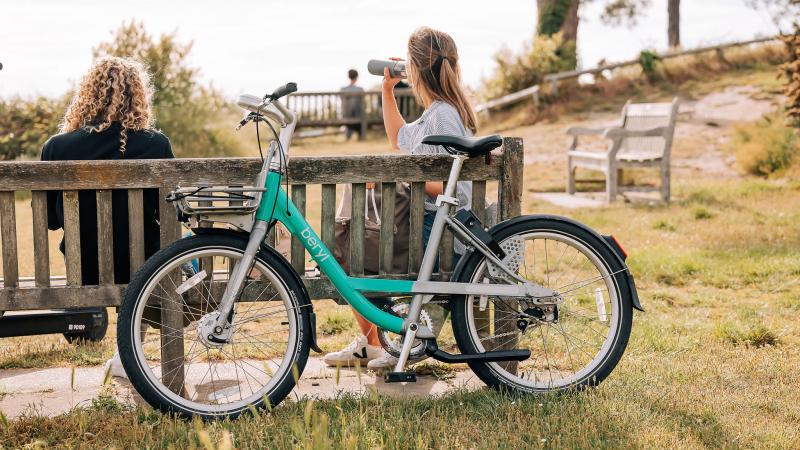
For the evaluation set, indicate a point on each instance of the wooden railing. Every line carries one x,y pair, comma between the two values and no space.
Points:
43,291
327,108
554,78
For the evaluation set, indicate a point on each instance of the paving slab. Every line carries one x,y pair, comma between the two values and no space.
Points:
57,390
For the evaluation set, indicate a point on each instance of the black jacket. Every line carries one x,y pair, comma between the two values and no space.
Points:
85,145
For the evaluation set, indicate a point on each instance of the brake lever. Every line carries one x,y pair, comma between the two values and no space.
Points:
249,117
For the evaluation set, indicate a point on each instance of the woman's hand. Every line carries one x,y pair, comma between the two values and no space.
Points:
392,119
388,82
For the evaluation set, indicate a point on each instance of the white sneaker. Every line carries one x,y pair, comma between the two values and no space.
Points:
115,365
387,361
358,350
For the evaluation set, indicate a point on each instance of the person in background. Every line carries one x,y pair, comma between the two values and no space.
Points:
110,118
352,105
435,77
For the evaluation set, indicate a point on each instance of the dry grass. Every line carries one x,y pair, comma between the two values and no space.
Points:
713,363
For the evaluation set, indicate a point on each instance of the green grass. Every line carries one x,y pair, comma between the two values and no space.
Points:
712,363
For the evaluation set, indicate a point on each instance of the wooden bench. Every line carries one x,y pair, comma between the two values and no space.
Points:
643,140
43,291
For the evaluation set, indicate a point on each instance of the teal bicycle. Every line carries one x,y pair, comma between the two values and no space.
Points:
219,322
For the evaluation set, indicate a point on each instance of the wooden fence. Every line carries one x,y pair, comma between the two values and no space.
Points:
43,291
553,79
327,108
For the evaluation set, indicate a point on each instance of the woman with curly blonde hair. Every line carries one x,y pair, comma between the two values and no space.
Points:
110,118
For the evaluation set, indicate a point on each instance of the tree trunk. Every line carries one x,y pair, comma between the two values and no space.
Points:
558,15
674,26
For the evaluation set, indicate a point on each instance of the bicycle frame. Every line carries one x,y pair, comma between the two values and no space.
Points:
275,205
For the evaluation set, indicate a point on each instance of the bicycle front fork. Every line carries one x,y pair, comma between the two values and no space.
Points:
236,279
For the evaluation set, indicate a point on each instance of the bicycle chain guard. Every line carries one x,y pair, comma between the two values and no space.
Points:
514,249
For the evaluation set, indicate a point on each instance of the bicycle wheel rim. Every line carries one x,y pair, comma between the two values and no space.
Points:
282,368
611,300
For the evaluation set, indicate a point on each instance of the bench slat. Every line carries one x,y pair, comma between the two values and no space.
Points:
479,200
416,224
298,251
359,198
105,237
172,348
136,228
206,263
72,238
445,251
386,248
170,227
328,214
41,245
8,229
44,175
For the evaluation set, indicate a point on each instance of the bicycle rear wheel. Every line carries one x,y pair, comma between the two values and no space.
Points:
165,318
575,343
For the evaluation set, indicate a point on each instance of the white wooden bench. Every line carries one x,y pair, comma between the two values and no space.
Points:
643,139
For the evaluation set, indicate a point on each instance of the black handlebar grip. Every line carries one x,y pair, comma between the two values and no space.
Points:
286,89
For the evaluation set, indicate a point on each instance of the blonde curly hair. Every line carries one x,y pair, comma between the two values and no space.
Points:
114,90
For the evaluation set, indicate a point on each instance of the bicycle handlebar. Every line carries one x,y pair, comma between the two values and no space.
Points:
284,90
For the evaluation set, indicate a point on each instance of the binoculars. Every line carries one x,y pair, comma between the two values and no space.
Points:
397,69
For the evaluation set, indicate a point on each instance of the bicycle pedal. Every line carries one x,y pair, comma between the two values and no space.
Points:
401,377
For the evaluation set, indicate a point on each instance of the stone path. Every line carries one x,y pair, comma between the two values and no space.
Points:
54,391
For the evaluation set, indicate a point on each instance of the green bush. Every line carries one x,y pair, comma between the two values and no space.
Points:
517,71
26,124
766,147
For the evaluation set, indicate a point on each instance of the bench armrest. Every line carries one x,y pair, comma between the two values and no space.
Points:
583,131
621,133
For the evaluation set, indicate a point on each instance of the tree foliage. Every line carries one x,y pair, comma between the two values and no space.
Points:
25,125
187,111
517,71
790,70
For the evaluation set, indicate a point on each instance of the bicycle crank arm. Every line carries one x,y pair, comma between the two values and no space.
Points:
432,350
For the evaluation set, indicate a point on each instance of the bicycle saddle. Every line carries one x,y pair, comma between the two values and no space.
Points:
470,146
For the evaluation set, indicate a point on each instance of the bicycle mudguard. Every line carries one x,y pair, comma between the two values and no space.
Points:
312,318
614,249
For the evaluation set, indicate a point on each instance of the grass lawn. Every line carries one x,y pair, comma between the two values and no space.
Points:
714,362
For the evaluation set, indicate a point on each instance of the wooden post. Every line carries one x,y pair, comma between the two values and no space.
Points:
8,230
510,206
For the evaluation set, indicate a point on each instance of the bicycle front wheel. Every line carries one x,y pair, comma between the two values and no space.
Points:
163,330
575,342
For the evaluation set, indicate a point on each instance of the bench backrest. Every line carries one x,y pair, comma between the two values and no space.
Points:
307,176
644,116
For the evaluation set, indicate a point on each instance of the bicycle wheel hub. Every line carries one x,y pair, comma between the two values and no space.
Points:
209,333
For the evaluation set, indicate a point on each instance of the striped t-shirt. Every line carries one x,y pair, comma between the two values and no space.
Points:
439,118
